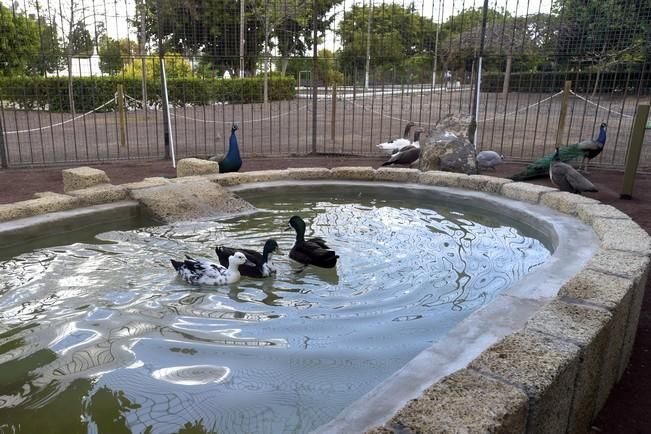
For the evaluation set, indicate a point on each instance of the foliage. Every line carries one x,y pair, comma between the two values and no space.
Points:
51,55
396,34
211,28
80,43
91,92
582,82
175,67
19,43
110,56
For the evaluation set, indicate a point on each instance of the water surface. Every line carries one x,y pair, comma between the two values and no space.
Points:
103,337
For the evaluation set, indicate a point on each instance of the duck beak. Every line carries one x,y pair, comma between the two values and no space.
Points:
288,228
249,263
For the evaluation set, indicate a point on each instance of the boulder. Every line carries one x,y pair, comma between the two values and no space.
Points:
456,123
444,150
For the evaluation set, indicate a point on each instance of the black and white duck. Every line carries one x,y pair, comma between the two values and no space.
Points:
314,251
263,265
202,272
567,178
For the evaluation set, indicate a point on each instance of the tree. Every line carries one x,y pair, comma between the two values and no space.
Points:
51,54
175,67
110,56
80,41
211,28
19,43
396,34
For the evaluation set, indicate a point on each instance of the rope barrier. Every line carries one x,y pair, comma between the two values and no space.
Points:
624,115
224,122
522,109
61,123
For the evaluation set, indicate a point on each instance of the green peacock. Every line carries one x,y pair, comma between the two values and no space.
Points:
587,149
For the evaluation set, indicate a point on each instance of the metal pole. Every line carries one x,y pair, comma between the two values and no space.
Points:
143,53
334,113
122,119
436,48
314,75
368,45
242,25
168,120
563,115
163,85
634,150
475,108
266,52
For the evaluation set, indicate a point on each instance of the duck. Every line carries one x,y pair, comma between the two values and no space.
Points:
567,178
202,272
408,154
592,147
314,251
263,266
489,159
394,145
232,162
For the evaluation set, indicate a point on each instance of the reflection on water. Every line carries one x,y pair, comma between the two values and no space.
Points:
104,338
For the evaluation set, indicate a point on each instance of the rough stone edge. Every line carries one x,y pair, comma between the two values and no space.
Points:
587,211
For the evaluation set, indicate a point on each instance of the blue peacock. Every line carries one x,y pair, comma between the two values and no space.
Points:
232,161
587,149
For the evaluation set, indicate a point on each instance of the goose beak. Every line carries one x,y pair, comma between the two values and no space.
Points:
288,228
249,263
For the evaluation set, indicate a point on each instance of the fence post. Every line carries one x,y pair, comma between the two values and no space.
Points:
563,115
121,115
334,113
634,150
315,90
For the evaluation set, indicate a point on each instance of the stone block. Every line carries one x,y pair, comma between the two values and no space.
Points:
465,401
632,323
83,177
355,173
544,367
441,179
232,178
623,264
565,202
268,175
12,211
587,327
309,173
397,174
196,166
588,212
623,235
103,193
525,192
614,294
146,183
49,203
488,184
173,202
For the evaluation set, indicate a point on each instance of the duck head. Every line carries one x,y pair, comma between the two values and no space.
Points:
271,246
238,259
417,134
298,225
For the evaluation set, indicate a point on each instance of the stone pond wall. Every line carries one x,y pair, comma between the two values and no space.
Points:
553,376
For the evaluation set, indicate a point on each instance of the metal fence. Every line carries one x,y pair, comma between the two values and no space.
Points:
80,80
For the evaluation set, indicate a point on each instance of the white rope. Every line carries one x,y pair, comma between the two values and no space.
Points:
522,109
600,106
224,122
61,123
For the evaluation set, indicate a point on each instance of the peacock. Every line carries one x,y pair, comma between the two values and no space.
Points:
540,167
232,162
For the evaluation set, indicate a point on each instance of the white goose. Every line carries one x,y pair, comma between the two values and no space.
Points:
395,145
201,272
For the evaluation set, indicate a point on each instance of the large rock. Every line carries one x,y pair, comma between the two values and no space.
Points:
458,124
443,150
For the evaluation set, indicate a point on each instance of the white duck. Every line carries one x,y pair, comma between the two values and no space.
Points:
395,145
201,272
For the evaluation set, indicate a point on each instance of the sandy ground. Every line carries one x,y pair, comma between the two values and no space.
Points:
627,409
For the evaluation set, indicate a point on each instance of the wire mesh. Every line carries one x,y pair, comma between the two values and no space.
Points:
314,76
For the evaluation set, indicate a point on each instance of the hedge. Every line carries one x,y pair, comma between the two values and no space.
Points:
582,82
91,92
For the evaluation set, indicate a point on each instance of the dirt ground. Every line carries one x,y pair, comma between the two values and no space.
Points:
627,409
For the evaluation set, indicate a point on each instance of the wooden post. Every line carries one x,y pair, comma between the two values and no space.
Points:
563,115
122,119
507,74
334,113
634,150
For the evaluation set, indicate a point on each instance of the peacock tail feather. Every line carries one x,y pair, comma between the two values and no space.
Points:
540,167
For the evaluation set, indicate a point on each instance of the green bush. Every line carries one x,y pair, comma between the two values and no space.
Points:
91,92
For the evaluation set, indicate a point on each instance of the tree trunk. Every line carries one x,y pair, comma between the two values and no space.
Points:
285,62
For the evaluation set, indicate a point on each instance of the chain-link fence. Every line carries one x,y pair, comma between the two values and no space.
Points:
80,80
